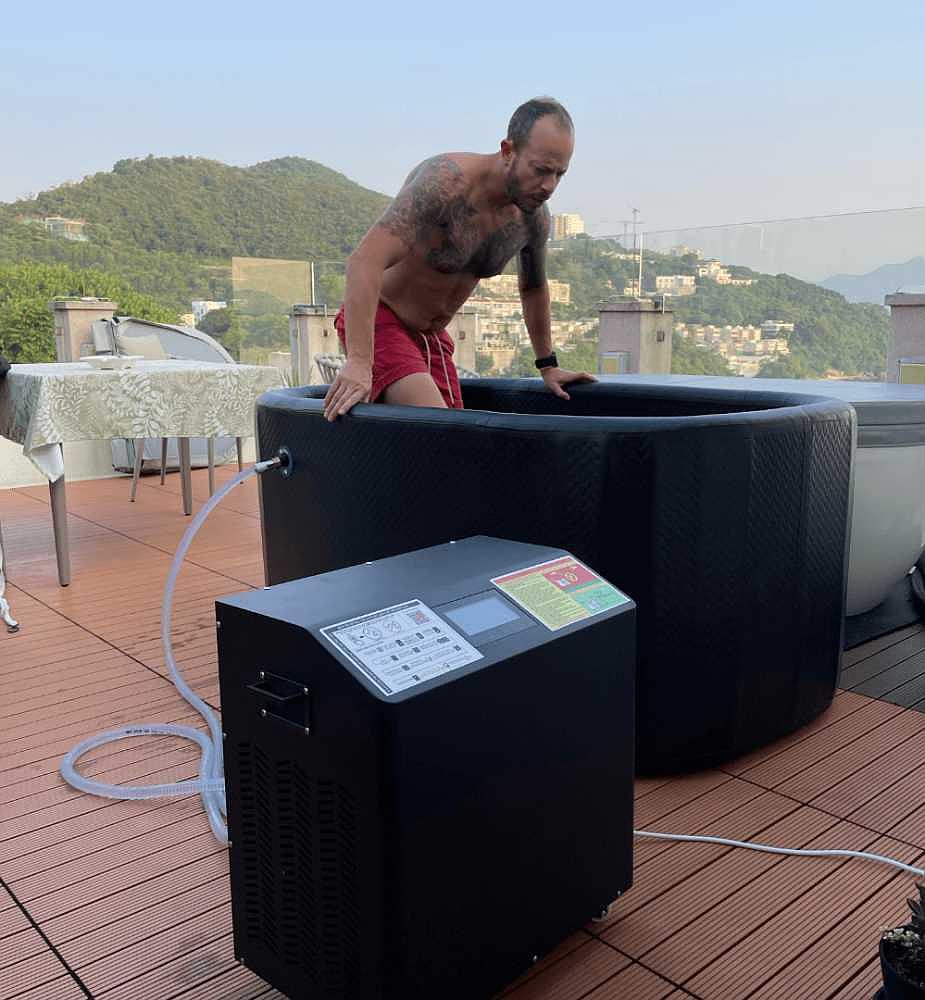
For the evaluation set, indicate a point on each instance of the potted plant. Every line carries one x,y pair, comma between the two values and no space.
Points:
902,955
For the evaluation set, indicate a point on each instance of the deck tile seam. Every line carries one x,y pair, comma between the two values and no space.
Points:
167,870
189,948
133,816
105,803
903,683
529,975
107,642
810,942
860,736
156,548
689,802
849,818
636,961
770,915
17,881
886,669
720,856
790,746
867,762
37,928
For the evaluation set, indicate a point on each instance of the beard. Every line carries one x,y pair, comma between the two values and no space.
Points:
516,194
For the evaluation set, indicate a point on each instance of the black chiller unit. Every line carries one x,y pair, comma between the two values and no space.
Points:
429,766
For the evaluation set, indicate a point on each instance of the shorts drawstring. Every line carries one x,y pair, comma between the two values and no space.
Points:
446,374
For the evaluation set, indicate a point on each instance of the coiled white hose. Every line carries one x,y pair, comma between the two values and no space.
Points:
211,782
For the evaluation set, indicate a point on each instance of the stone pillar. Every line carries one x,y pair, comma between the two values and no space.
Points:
466,330
907,338
74,320
311,332
640,329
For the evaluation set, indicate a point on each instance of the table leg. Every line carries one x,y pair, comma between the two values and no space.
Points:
239,446
59,522
136,471
186,478
163,460
211,447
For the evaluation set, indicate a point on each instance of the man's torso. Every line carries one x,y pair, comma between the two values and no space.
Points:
452,253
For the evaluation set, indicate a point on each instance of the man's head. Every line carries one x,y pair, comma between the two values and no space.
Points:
536,152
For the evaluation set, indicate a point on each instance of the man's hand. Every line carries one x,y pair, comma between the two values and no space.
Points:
556,378
352,385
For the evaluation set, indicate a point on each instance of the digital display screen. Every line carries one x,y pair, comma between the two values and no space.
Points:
483,614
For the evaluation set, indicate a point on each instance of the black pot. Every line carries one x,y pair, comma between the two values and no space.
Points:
894,986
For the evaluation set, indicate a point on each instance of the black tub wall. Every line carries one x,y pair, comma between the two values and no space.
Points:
728,528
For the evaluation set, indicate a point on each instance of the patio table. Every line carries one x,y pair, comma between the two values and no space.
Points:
44,406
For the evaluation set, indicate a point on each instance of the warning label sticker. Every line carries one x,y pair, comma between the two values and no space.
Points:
560,592
402,646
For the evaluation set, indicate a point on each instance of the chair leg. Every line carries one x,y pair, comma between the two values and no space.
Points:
163,460
211,448
240,449
136,472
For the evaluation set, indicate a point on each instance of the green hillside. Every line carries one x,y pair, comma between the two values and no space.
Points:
830,332
289,208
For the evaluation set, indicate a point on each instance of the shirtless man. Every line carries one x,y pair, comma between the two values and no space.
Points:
458,218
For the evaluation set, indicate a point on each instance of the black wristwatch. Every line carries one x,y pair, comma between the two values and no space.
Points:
548,362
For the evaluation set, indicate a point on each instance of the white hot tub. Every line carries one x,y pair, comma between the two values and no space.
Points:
888,520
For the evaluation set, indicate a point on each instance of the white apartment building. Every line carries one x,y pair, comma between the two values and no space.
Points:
567,224
676,284
506,285
714,270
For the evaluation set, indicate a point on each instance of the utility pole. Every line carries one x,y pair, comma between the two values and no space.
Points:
637,249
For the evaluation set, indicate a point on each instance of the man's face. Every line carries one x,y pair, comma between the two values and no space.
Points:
535,169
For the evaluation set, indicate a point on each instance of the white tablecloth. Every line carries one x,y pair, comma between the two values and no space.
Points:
43,406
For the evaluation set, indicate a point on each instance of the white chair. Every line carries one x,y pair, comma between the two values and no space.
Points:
329,365
157,342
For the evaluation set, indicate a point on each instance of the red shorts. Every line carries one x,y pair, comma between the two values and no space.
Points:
398,352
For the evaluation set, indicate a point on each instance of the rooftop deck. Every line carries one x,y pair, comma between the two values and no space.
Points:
130,900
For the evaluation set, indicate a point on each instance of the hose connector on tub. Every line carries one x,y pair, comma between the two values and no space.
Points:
282,461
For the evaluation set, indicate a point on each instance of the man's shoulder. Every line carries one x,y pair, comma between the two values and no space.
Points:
451,169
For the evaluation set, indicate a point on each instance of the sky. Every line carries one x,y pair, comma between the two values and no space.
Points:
696,114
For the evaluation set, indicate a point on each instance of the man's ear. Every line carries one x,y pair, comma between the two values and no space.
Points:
507,149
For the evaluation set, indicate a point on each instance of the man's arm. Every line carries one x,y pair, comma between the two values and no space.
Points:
404,223
534,295
534,288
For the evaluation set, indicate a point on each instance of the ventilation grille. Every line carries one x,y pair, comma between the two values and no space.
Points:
299,872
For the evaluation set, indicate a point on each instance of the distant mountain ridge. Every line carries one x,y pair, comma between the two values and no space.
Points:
874,285
290,208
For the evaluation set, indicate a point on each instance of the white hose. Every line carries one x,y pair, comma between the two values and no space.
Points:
691,838
211,783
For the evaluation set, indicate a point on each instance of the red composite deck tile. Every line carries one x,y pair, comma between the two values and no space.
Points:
132,898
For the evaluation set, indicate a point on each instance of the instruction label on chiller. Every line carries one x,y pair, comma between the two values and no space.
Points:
401,646
560,592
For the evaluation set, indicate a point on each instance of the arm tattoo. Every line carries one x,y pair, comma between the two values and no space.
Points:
532,261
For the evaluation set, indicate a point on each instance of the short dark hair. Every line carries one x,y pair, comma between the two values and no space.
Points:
530,112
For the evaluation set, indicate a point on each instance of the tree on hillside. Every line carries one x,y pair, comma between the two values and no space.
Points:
215,322
786,366
690,359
